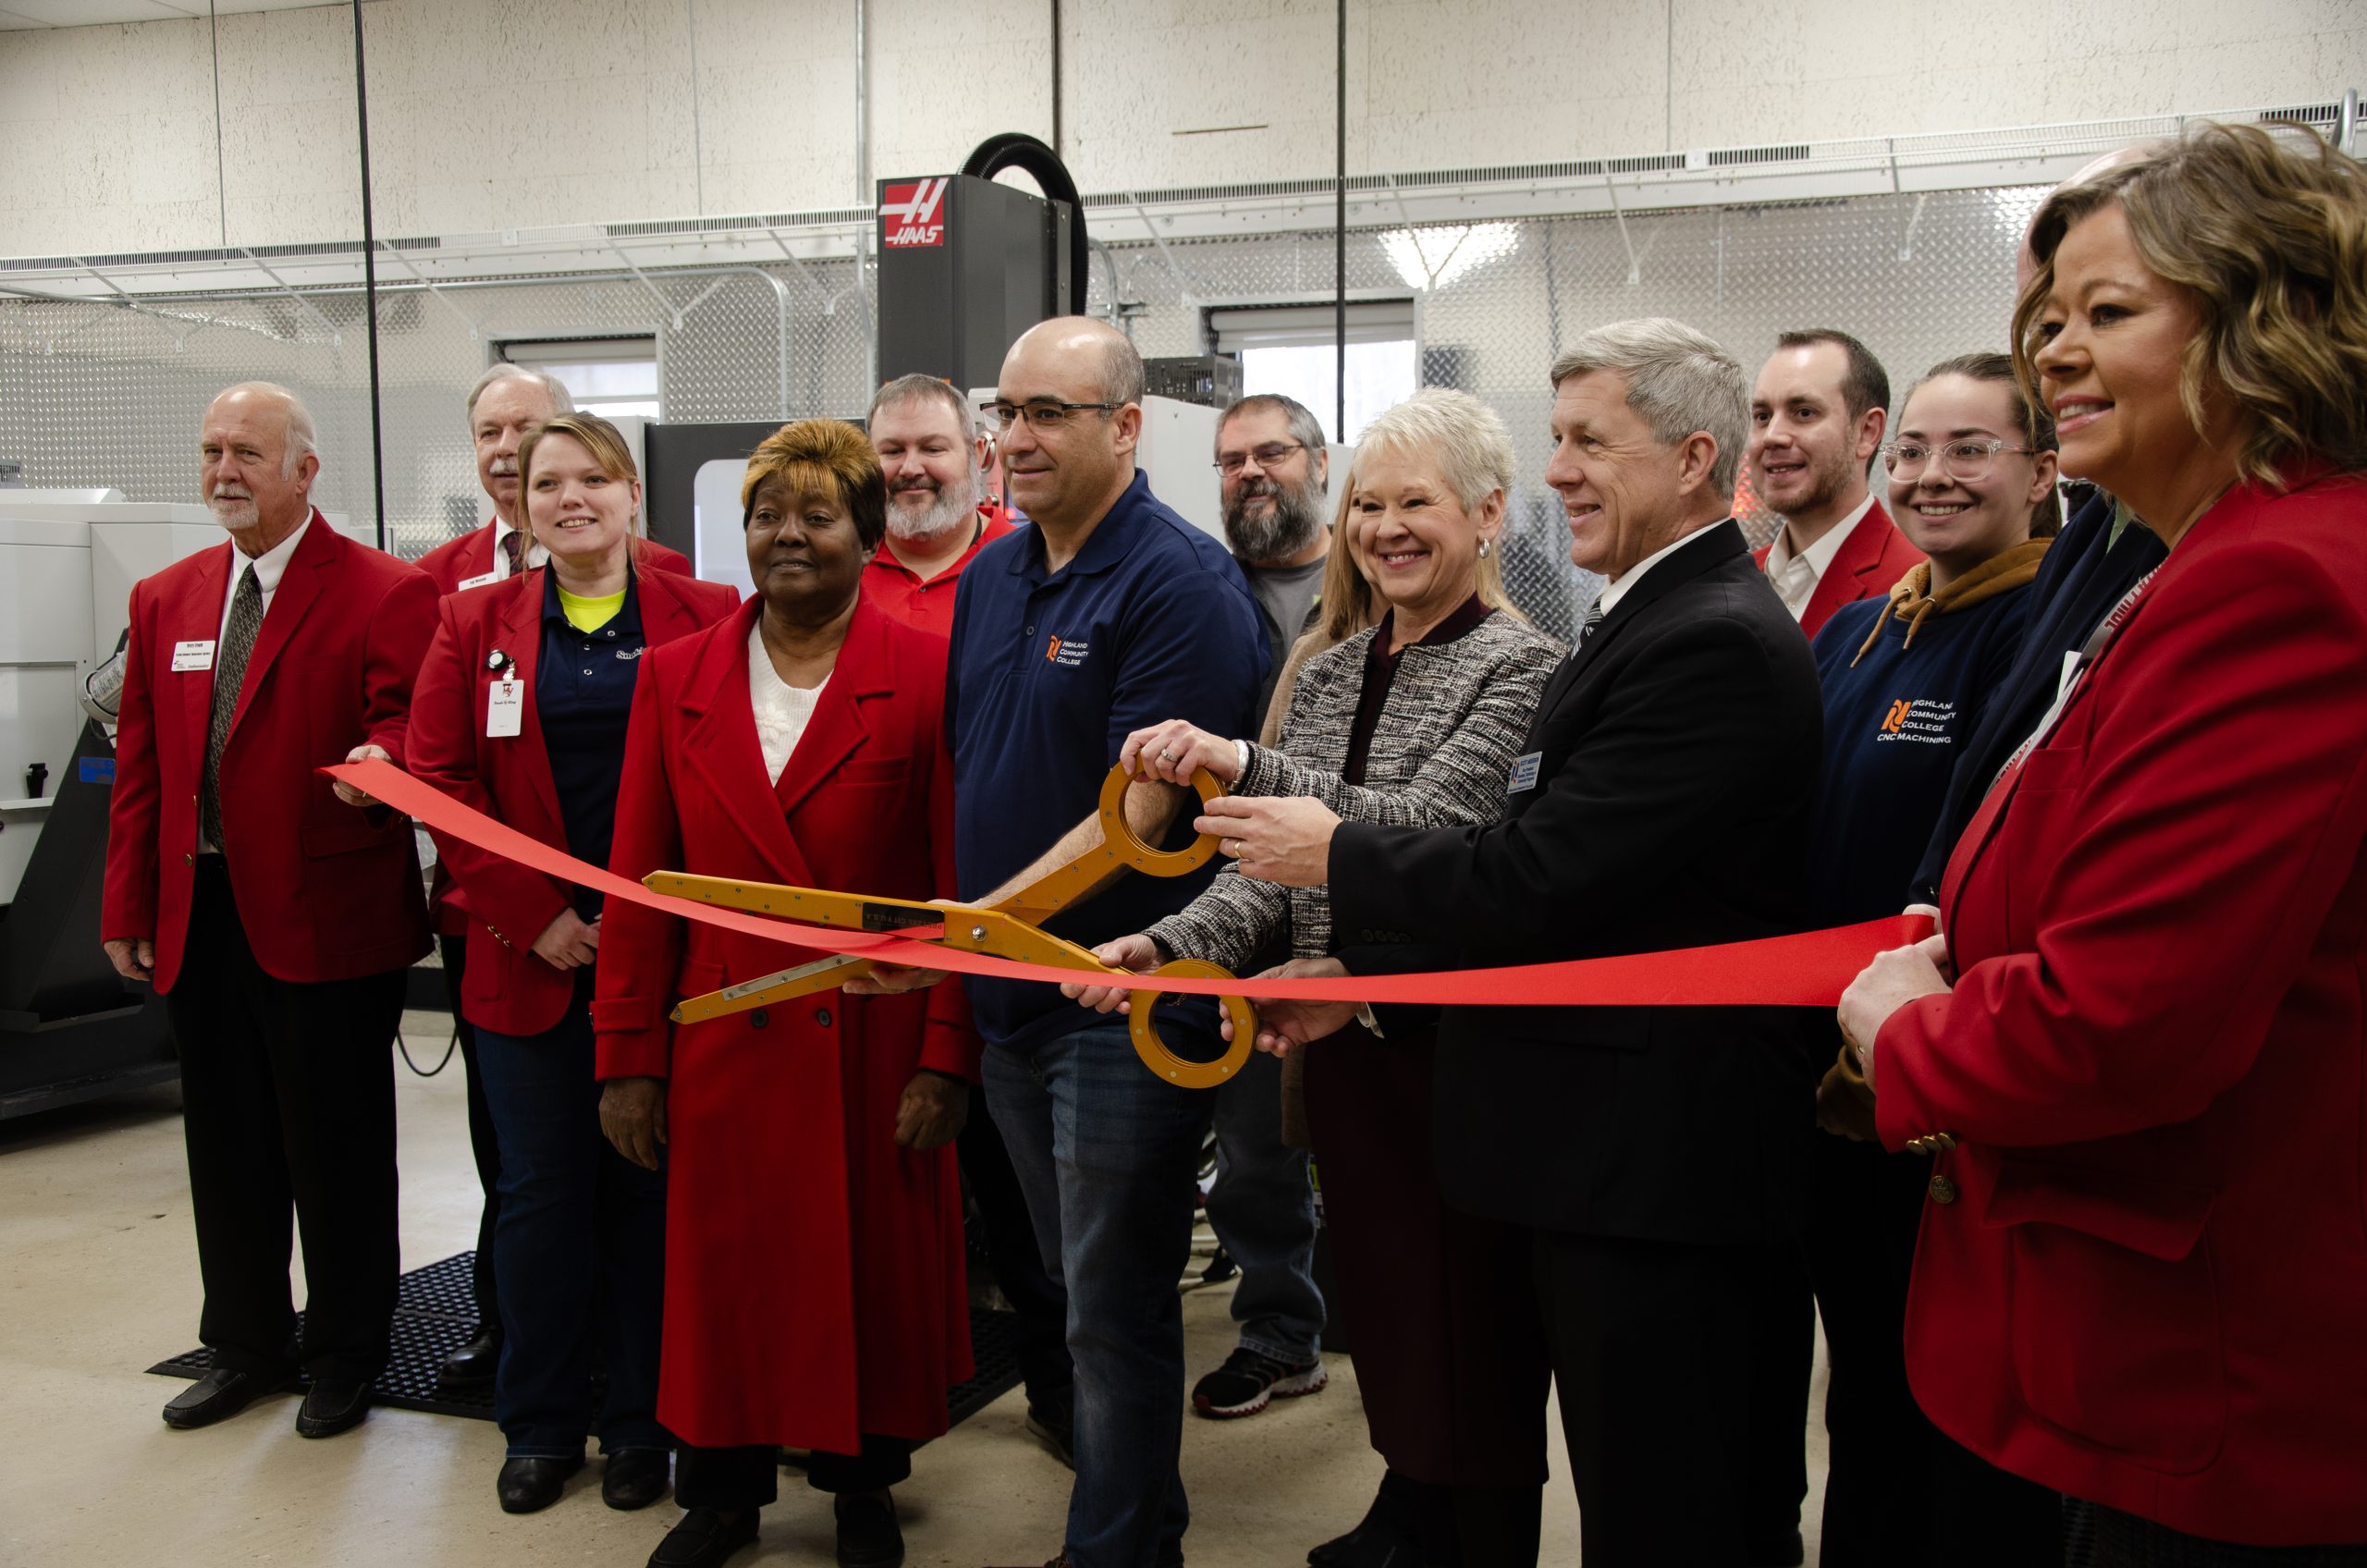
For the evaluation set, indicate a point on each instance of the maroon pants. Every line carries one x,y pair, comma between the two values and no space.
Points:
1440,1306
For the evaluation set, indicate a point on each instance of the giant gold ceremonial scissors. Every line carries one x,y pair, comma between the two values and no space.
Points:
1009,930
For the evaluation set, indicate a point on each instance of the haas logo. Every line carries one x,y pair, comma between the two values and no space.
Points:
911,211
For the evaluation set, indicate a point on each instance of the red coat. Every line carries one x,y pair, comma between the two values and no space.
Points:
326,890
815,1288
1875,556
469,556
505,986
2150,1289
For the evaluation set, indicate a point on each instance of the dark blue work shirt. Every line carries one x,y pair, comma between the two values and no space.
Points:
1049,673
583,684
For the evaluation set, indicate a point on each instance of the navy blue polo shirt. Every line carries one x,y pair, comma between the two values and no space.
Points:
1049,673
583,683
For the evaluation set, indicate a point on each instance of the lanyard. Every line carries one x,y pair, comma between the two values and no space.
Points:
2091,652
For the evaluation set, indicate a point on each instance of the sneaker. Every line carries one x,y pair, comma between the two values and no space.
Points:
1248,1381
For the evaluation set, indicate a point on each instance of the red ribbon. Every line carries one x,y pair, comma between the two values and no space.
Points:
1809,970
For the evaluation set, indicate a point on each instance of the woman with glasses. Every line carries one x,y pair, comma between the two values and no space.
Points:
1972,472
1415,721
2134,1059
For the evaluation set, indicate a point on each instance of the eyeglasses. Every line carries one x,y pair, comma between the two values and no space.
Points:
1266,456
1043,414
1968,461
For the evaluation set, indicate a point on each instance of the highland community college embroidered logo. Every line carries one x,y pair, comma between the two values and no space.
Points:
1068,653
1923,720
910,212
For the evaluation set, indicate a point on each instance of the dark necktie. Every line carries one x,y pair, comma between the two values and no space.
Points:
513,545
229,674
1593,619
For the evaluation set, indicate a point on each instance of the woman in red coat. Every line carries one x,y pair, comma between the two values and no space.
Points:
520,711
814,1294
2136,1054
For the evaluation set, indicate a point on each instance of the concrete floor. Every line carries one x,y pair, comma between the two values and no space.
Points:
99,1281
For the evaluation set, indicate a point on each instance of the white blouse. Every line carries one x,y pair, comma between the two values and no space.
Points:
783,711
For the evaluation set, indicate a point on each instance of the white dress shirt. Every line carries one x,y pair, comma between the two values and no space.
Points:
1616,589
783,711
1796,577
532,556
270,567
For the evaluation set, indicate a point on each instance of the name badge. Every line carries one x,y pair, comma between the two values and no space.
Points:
192,656
505,708
2070,667
469,582
1525,772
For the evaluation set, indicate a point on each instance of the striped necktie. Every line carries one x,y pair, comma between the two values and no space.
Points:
229,674
1593,619
513,545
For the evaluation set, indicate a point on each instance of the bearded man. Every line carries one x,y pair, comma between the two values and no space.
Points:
1274,465
940,515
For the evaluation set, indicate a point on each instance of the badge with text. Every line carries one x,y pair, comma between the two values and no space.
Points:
469,582
1525,772
193,655
505,708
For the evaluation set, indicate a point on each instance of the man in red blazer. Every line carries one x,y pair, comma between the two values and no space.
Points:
275,913
1817,416
507,401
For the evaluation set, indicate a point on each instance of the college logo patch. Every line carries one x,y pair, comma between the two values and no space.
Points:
1921,719
1069,652
911,211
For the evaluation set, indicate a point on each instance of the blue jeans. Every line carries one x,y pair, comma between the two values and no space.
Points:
1108,1155
1263,1210
581,1252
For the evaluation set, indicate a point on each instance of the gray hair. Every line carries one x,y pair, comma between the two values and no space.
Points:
1679,383
1305,429
303,436
1121,370
925,388
562,403
1453,429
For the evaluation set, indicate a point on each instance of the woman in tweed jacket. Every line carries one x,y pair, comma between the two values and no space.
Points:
1415,721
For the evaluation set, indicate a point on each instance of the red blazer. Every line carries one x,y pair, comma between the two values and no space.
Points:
814,1281
326,890
1875,556
2149,1288
456,561
505,986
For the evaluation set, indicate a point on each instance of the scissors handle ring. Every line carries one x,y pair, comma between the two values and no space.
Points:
1119,834
1182,1072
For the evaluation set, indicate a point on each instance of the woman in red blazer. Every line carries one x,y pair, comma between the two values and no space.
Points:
814,1294
520,711
2136,1054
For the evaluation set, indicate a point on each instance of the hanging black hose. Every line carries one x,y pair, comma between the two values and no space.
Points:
1017,150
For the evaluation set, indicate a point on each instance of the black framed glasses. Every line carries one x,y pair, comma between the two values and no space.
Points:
1968,459
1041,414
1265,455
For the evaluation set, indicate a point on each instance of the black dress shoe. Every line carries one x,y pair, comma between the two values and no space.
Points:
1055,1427
529,1485
221,1394
472,1364
868,1534
332,1407
703,1539
1778,1549
634,1477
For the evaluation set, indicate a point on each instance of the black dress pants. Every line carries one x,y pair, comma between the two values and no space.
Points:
287,1095
483,1145
732,1480
1649,1342
1038,1302
1782,1363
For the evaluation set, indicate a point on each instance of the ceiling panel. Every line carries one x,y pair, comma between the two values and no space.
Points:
19,14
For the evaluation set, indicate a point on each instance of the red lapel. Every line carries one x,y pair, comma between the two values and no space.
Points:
721,746
196,617
837,727
308,573
521,639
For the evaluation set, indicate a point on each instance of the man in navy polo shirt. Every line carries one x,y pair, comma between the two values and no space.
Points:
1110,613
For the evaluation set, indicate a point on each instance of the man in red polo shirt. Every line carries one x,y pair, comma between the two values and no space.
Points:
940,515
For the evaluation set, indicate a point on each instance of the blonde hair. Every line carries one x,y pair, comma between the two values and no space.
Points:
2269,240
827,457
608,448
1350,602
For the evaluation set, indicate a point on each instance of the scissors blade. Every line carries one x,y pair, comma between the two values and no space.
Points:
822,974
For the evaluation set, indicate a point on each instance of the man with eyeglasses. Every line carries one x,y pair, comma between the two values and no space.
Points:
1273,468
1816,420
1109,614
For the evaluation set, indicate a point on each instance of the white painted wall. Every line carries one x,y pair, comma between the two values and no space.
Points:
495,113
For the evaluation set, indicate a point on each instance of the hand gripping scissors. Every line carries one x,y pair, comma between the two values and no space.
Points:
1010,929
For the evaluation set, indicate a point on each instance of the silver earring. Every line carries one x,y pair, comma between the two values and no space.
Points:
1483,549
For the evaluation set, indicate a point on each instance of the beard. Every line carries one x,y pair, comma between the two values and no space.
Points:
1280,531
236,513
952,506
1827,478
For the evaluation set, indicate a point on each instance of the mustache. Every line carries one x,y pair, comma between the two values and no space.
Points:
230,493
503,468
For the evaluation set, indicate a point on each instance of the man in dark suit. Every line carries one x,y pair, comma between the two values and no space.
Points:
1659,802
276,912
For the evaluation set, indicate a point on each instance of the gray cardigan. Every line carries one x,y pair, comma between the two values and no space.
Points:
1440,757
